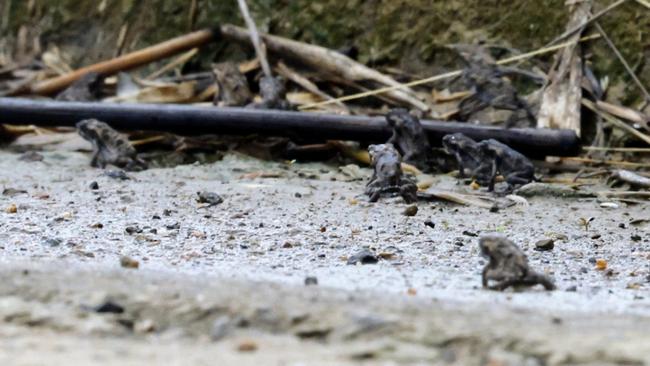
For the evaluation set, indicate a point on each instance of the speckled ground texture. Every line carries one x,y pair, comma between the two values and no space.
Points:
226,283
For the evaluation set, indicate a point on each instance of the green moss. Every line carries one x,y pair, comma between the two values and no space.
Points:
407,33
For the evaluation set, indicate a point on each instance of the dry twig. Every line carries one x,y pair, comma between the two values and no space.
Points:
462,199
294,76
618,149
623,61
625,113
179,61
578,28
607,162
447,75
260,49
329,62
615,121
128,61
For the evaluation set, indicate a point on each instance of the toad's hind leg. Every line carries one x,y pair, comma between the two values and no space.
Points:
535,278
373,191
409,192
519,178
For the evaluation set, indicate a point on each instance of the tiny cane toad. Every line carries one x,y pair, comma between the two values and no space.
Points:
274,94
465,150
387,176
489,88
508,265
233,86
109,146
87,89
409,138
501,158
211,198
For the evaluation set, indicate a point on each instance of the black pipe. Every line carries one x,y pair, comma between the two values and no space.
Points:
190,120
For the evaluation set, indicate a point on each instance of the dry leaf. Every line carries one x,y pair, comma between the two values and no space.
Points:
247,346
170,93
302,98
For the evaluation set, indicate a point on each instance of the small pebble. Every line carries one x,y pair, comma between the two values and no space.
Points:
94,186
117,174
221,327
51,242
365,256
247,346
410,210
109,307
144,326
128,262
311,281
430,224
174,226
601,264
11,209
132,230
31,156
545,245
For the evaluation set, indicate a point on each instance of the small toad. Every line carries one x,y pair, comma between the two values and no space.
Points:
387,176
209,198
409,138
109,146
489,88
274,94
499,158
508,265
465,150
233,86
88,88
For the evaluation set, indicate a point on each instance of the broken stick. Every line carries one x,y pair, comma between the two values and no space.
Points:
128,61
328,61
624,62
560,106
447,75
292,75
260,49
